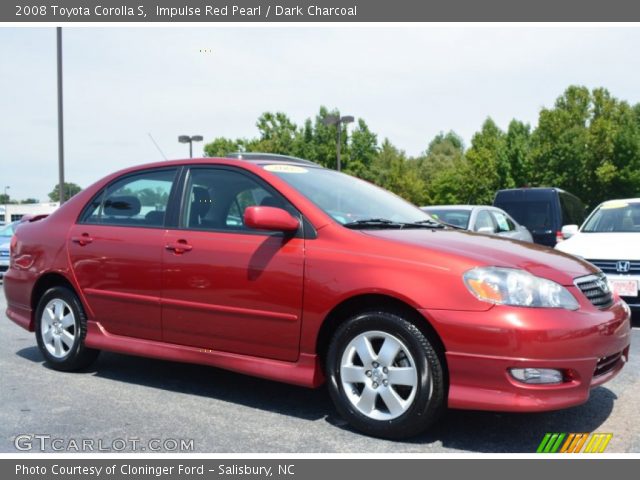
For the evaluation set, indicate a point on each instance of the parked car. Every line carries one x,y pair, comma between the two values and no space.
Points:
6,232
327,278
610,239
481,219
544,211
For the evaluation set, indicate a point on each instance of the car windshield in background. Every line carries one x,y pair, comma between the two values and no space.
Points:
533,215
450,216
615,216
349,200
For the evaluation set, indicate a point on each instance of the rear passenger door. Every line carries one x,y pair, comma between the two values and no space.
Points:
116,252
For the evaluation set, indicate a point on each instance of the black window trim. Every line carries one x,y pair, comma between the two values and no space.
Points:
81,219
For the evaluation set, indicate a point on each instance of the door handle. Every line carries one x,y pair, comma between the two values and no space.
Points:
82,240
179,247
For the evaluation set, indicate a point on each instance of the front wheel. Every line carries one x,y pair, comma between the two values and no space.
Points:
61,327
385,376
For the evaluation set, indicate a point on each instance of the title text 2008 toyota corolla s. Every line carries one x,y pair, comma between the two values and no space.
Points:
284,270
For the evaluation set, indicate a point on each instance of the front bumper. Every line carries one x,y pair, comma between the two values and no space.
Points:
589,346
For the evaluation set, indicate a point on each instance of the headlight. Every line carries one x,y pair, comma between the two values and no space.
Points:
508,286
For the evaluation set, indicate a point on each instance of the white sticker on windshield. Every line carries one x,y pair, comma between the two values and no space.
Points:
285,169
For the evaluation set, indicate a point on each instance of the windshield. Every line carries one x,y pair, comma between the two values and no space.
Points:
8,230
348,199
452,216
616,216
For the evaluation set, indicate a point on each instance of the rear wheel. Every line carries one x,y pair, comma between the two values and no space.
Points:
385,376
61,327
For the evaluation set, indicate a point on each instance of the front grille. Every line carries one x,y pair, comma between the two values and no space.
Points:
596,289
611,266
606,364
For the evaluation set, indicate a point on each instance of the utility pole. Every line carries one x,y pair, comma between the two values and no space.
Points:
60,120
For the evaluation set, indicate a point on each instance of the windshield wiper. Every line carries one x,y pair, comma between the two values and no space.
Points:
439,224
386,223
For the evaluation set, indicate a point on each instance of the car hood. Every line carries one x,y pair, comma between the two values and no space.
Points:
472,249
603,246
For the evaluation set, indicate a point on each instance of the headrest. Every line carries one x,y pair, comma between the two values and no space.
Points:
122,206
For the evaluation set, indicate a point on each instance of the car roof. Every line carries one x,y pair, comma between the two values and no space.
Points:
621,200
260,157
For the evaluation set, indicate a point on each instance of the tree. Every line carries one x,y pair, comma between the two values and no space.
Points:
363,150
393,171
221,146
488,163
70,189
29,201
518,152
589,145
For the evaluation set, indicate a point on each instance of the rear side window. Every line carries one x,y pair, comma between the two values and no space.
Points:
138,200
573,211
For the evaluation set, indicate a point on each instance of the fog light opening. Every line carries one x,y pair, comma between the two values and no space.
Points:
537,376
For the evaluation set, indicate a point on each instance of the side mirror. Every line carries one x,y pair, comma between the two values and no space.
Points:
569,231
486,230
270,218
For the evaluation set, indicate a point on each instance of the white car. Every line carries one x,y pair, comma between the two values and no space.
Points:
481,219
610,239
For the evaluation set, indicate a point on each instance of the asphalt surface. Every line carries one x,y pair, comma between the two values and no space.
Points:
122,401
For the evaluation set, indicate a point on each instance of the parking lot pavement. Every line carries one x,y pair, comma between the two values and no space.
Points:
139,400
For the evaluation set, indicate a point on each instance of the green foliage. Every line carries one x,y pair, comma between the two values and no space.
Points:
70,189
588,143
29,201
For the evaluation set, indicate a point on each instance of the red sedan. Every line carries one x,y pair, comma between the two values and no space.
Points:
275,267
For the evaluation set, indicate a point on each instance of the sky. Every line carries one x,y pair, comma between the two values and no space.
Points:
408,84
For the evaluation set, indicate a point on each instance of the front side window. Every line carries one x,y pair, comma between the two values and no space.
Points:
136,200
217,198
504,223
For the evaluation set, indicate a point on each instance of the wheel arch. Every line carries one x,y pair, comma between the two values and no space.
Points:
45,282
371,302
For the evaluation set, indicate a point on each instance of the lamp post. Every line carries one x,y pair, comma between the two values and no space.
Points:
338,122
60,118
190,140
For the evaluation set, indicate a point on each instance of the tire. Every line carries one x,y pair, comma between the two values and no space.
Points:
384,376
61,327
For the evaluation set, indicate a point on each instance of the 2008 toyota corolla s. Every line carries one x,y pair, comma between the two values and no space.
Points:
278,268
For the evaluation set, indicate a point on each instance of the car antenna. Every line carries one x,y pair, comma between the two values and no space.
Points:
157,146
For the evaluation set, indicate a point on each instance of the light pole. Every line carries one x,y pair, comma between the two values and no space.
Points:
338,122
190,140
60,119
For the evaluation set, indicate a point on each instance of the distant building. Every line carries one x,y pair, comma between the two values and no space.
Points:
11,213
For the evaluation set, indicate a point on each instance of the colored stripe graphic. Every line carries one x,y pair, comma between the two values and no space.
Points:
598,442
550,443
573,442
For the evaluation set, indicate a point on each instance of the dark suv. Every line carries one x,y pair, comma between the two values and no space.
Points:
544,211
